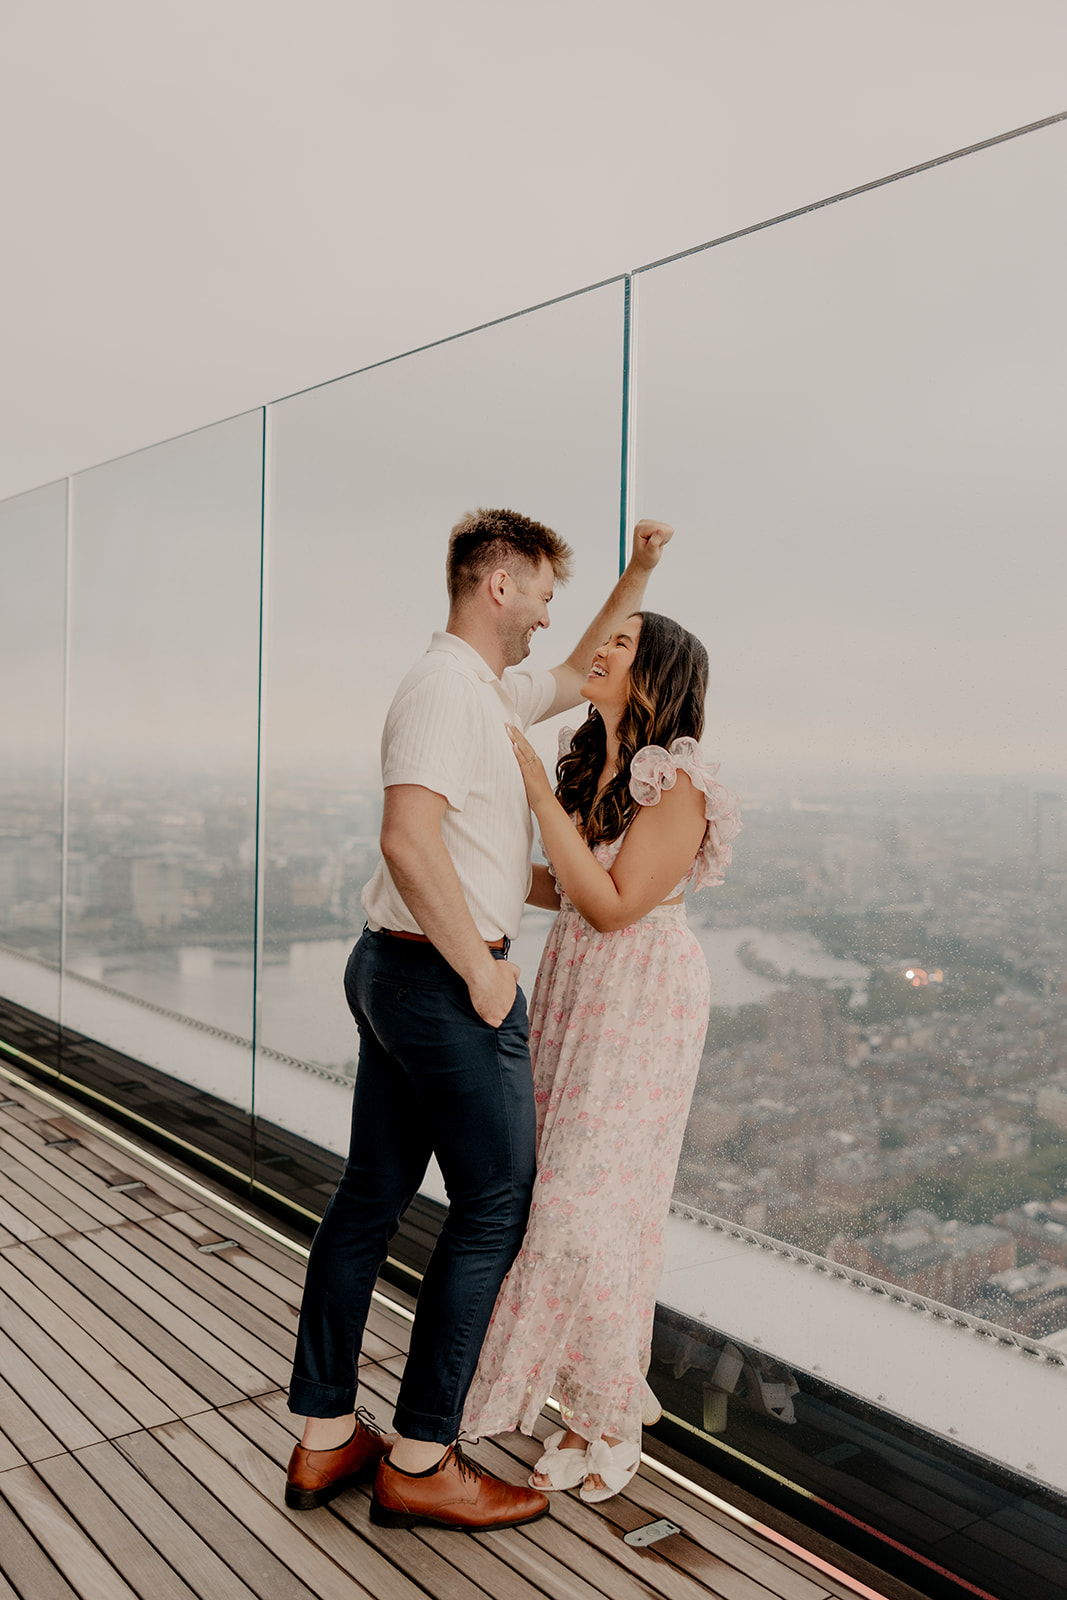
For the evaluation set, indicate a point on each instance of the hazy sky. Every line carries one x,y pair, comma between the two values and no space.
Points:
212,204
855,418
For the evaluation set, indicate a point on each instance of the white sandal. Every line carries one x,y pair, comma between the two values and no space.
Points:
614,1464
564,1469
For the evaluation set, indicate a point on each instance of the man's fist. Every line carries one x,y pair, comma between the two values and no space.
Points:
649,540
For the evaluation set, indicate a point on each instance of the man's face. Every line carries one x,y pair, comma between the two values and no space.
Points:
529,594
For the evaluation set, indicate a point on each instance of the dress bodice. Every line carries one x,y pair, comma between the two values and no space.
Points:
654,769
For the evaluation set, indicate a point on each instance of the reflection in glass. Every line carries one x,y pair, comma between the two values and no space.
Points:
368,476
33,541
856,418
163,727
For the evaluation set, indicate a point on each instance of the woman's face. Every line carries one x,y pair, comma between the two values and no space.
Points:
607,685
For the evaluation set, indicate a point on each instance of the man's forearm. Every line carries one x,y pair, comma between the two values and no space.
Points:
429,886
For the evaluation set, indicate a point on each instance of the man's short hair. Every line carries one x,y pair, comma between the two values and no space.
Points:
484,540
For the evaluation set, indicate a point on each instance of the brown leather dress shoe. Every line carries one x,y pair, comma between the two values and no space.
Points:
316,1476
457,1493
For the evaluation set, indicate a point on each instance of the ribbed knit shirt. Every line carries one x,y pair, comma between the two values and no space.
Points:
445,731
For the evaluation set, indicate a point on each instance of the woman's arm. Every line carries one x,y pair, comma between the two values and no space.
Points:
543,891
658,850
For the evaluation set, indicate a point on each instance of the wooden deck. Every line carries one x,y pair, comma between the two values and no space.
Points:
146,1331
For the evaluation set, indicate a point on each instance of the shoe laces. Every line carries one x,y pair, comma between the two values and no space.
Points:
467,1467
365,1417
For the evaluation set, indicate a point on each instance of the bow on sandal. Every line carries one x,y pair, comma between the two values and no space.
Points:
614,1465
564,1469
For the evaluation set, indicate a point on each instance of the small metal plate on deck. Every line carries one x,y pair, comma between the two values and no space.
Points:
651,1532
219,1244
127,1186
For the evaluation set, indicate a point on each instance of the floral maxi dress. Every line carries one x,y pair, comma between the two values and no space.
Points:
617,1027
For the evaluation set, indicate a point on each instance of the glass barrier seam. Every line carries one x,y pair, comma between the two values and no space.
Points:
850,194
64,803
862,1280
258,892
627,495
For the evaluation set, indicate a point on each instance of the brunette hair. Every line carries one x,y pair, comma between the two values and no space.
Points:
483,540
668,683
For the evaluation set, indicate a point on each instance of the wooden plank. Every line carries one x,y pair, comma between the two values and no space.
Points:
275,1442
164,1187
23,1428
752,1565
291,1264
716,1556
153,1338
212,1275
19,1202
217,1525
177,1541
257,1448
60,1368
157,1378
98,1359
415,1558
267,1519
481,1564
121,1542
24,1562
76,1556
264,1362
285,1287
44,1398
662,1566
31,1183
221,1266
426,1557
9,1455
602,1562
789,1558
539,1567
55,1167
220,1369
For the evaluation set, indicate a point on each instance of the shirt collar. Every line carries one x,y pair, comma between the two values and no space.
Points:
453,645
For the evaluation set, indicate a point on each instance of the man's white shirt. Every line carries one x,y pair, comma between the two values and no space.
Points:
445,731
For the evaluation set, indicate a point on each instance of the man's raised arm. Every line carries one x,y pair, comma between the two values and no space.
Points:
626,597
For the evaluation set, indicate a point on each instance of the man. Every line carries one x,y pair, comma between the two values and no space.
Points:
444,1065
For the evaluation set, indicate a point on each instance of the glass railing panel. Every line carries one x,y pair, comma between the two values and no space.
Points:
368,475
164,632
856,420
33,538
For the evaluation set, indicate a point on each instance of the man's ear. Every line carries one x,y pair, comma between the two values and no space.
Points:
497,582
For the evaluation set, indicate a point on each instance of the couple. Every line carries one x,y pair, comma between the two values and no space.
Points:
562,1174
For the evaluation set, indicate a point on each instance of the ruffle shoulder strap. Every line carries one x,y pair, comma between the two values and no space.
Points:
654,769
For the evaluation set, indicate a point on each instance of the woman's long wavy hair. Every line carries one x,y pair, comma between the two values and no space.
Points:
668,683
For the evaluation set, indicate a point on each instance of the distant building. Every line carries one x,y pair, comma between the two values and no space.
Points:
946,1261
1051,1101
1039,1228
1032,1299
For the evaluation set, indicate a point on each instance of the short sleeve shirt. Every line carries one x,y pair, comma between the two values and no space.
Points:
445,731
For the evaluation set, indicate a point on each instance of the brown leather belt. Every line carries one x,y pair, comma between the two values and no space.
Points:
420,938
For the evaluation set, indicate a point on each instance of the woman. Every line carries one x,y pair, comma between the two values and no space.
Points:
617,1025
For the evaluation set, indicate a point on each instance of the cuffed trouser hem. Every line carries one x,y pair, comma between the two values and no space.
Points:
319,1400
433,1430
